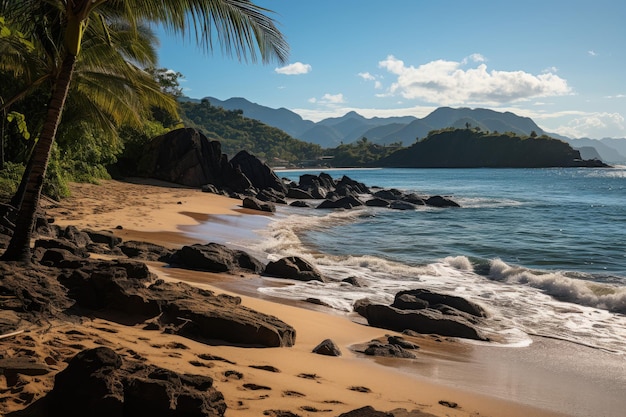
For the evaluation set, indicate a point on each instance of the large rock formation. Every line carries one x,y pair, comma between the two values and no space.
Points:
260,174
214,257
426,312
97,382
185,156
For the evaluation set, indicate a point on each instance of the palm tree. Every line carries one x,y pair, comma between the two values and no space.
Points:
109,88
240,27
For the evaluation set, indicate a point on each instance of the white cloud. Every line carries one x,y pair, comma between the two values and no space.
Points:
328,99
592,53
594,125
297,68
319,114
474,58
332,99
447,83
370,77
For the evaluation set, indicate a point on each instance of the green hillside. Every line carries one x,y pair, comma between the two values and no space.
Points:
236,133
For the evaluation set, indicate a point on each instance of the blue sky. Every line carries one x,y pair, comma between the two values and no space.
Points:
562,63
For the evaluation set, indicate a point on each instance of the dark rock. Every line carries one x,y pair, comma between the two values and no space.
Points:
201,315
299,194
408,299
349,182
185,156
214,257
98,383
299,203
377,202
401,205
78,237
316,301
293,267
354,281
344,202
104,237
403,343
425,321
391,194
413,199
210,188
439,201
107,287
388,351
32,290
328,348
62,244
260,174
256,204
146,251
61,258
270,195
409,302
367,411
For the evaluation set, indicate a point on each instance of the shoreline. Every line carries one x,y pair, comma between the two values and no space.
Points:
169,223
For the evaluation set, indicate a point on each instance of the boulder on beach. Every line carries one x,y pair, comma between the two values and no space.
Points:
98,382
185,156
431,314
258,205
259,173
214,257
293,267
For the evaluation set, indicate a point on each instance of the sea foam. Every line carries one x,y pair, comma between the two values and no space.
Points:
563,288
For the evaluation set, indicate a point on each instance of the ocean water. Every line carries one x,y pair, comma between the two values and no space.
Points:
543,250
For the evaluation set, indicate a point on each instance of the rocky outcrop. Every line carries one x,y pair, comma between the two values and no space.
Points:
258,205
202,315
146,251
293,267
347,193
260,174
427,313
125,291
214,257
185,156
98,382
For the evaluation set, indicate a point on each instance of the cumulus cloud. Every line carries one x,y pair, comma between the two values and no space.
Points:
329,99
450,83
366,76
297,68
594,125
369,77
592,53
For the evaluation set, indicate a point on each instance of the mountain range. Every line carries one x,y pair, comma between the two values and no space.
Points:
331,132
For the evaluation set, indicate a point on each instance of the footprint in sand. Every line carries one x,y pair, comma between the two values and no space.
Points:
293,394
268,368
360,389
208,357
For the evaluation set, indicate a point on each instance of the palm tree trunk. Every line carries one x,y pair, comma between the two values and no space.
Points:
19,246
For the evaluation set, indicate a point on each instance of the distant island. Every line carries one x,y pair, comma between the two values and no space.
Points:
474,148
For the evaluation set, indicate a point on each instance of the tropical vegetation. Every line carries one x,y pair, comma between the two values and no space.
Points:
45,43
236,132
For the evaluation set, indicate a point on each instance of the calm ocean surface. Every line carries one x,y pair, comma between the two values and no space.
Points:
544,250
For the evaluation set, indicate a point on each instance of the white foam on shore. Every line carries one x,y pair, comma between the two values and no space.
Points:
520,302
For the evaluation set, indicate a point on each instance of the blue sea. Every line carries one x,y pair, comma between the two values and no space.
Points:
543,250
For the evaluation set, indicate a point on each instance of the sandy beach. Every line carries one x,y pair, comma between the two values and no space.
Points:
449,378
